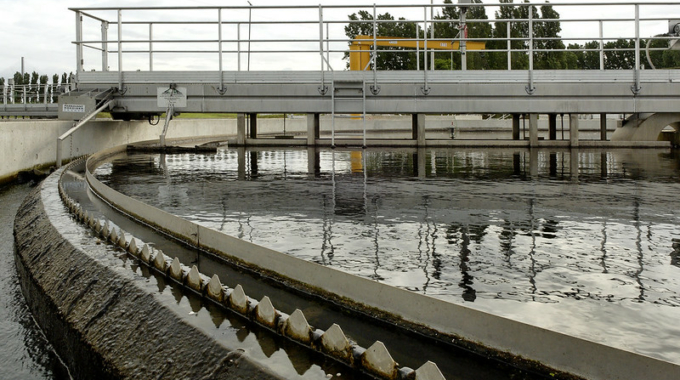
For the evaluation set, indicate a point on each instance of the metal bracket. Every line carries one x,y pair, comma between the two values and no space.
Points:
636,89
323,89
426,90
375,89
118,90
222,90
530,89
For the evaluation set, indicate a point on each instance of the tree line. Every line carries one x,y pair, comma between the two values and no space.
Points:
35,78
546,36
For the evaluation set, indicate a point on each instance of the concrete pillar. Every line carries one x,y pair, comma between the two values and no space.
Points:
253,125
418,125
420,163
573,130
552,126
515,126
573,165
533,130
603,126
241,129
241,153
313,162
533,163
313,128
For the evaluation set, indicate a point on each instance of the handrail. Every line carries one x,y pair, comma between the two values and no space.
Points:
224,51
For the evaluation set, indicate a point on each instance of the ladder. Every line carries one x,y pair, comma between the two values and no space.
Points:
348,95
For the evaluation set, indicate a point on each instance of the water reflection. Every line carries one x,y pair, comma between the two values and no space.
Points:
517,225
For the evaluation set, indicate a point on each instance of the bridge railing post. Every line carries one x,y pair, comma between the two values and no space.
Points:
78,42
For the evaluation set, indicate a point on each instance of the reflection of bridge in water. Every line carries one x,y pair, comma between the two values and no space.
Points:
142,61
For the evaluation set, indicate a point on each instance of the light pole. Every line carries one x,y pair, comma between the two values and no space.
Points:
250,19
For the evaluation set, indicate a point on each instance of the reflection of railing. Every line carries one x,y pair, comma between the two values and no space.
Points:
43,93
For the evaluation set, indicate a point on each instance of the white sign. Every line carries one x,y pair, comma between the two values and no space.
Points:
176,96
74,108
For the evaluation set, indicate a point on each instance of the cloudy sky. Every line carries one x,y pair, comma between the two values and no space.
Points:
41,31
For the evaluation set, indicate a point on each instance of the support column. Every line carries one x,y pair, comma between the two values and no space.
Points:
420,163
533,130
552,126
603,126
515,126
313,128
573,165
533,163
241,129
253,125
241,160
418,125
313,162
573,130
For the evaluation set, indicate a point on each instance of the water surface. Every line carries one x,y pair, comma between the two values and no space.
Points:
579,243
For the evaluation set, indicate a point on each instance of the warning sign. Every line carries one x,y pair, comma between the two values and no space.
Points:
176,96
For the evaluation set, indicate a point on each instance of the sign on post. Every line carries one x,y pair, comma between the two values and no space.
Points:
177,96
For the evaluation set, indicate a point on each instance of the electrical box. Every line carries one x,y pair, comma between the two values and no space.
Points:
76,105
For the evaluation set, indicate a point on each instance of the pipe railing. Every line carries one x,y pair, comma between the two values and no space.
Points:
27,94
164,45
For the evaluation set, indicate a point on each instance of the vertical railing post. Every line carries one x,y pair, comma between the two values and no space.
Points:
322,88
105,46
120,50
79,43
601,45
417,49
636,88
375,51
432,34
150,46
509,44
219,41
463,40
238,48
530,88
426,88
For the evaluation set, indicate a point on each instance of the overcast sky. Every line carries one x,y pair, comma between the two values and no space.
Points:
41,31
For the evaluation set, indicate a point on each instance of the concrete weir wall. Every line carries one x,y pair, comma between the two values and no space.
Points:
560,351
26,144
100,320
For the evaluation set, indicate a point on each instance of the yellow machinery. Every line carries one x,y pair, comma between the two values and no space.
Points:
360,50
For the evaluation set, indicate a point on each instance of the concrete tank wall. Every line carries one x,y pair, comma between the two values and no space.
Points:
27,144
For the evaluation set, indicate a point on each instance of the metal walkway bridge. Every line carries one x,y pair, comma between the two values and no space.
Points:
289,59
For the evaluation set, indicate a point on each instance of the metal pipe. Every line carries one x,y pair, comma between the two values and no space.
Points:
250,24
601,45
105,46
120,50
219,37
636,89
79,46
509,46
151,47
432,34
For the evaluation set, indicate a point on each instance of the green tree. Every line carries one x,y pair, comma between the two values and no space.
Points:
662,59
400,29
64,78
547,34
621,55
2,81
55,79
451,30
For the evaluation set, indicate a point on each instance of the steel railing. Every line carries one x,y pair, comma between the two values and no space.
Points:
293,37
28,94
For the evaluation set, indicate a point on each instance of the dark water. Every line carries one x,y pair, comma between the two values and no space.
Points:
579,243
24,352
